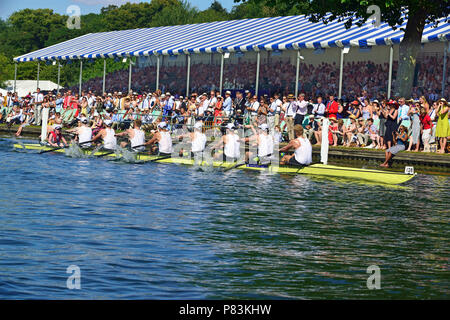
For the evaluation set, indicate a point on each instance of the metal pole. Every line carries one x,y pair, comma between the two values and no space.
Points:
188,74
104,75
15,76
59,76
81,75
157,72
297,73
341,70
39,67
221,73
391,57
258,60
129,77
444,71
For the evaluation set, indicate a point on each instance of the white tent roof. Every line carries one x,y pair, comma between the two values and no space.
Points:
23,87
276,33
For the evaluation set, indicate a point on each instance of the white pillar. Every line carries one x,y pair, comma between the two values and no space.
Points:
221,73
59,76
39,67
258,61
129,76
104,75
341,70
188,74
81,76
15,76
325,142
157,72
391,58
297,73
444,70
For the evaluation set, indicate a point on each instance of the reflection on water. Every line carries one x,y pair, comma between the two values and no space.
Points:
169,231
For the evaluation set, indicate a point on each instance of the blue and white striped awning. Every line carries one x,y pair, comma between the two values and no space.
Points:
279,33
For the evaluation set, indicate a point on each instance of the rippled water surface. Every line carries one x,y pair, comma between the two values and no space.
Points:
158,231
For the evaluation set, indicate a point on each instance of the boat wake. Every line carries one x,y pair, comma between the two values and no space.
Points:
123,155
74,151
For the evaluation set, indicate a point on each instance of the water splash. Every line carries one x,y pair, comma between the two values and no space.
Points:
92,154
125,156
22,149
74,151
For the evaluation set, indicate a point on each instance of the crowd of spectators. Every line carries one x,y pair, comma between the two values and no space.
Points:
278,76
362,121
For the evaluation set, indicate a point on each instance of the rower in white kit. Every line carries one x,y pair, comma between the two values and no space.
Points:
84,133
164,140
231,145
108,136
198,140
264,141
303,151
135,135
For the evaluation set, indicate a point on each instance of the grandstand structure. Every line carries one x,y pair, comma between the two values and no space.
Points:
293,37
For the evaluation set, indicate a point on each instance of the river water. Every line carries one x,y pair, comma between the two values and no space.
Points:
159,231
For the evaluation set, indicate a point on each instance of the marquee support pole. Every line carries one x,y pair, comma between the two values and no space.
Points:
15,76
104,75
221,73
444,70
188,74
81,76
38,70
297,72
391,58
157,72
258,62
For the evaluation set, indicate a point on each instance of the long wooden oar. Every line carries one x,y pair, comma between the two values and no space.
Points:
54,149
111,152
106,154
160,158
234,167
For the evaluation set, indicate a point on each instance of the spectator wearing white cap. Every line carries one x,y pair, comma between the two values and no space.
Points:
212,101
253,108
38,98
228,104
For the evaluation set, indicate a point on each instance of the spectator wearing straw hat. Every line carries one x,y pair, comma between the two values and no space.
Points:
291,109
442,128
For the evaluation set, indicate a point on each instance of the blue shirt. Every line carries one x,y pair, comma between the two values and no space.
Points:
59,103
167,107
115,118
227,104
403,112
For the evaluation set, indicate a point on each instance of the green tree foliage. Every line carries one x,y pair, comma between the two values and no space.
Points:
420,12
29,30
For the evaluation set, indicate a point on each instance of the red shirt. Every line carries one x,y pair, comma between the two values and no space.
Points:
332,109
425,120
